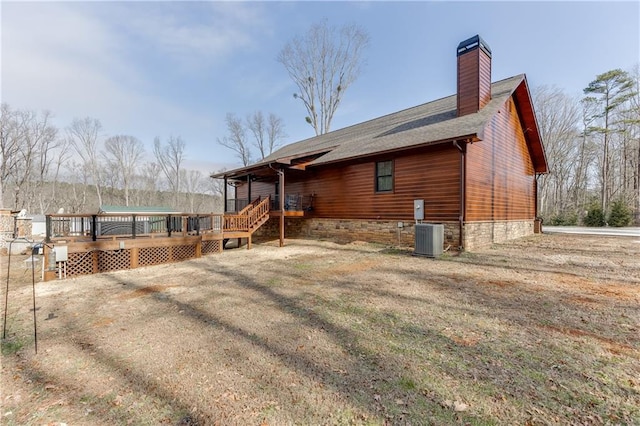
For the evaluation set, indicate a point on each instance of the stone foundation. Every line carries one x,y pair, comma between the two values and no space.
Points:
476,234
347,230
479,234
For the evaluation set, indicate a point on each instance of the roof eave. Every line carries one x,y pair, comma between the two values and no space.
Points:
472,137
244,171
523,99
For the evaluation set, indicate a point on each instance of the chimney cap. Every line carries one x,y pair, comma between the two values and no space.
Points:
472,44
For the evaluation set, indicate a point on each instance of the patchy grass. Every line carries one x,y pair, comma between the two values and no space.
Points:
544,330
11,345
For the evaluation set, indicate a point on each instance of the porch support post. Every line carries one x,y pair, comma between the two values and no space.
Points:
248,189
282,192
224,202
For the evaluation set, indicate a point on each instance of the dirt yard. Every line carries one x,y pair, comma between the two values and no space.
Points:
544,330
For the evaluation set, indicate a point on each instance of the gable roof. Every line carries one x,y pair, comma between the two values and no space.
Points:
426,124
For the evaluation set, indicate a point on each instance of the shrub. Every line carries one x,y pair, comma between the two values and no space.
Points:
564,219
594,217
620,214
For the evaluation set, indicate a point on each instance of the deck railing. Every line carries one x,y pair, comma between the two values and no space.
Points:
293,202
113,226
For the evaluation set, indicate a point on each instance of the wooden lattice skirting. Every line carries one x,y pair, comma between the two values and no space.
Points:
85,258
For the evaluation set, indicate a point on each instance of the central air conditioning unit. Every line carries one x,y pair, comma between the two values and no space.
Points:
429,239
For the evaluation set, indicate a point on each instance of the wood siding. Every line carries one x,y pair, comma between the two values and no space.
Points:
500,178
474,81
347,191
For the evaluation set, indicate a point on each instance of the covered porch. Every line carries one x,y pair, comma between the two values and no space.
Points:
249,185
295,205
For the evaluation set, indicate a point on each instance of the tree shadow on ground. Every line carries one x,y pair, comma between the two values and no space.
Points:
368,373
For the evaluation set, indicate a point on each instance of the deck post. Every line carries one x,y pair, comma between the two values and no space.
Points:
224,209
248,189
48,224
133,226
282,192
94,231
134,259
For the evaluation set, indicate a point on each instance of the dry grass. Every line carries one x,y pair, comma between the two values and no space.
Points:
545,330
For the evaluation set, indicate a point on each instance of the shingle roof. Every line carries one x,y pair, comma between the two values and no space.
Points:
424,124
431,122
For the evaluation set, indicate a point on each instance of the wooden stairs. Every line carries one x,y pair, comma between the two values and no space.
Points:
246,221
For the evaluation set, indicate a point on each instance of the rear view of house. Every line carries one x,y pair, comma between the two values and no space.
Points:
471,157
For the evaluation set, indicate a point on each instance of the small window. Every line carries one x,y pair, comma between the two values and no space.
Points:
384,176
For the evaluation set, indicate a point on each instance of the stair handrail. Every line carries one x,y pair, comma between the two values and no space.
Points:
259,212
249,206
246,221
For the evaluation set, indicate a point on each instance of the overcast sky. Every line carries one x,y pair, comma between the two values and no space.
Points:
152,69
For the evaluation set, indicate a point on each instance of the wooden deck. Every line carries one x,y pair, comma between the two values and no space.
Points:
90,244
93,257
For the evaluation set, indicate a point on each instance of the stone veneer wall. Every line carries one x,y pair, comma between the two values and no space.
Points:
346,230
479,234
6,227
23,229
476,234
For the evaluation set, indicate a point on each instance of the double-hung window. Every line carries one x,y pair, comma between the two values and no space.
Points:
384,176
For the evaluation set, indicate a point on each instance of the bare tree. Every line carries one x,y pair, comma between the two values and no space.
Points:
78,178
215,187
193,188
256,124
236,138
632,150
146,185
267,134
84,135
170,157
275,131
50,154
587,154
28,140
557,118
323,64
12,131
123,154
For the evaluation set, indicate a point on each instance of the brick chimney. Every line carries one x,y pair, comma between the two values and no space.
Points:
474,75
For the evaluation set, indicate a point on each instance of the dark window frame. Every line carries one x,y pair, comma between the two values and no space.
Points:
377,176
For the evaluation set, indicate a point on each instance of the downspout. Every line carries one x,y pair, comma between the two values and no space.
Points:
535,191
463,168
282,195
537,221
